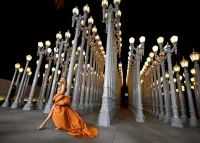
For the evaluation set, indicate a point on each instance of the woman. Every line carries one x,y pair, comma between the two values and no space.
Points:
65,118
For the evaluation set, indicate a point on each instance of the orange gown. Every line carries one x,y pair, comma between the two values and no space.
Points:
66,119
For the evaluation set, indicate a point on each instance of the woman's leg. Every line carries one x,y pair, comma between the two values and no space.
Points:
46,120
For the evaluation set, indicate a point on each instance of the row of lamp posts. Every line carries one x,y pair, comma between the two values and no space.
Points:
86,90
173,98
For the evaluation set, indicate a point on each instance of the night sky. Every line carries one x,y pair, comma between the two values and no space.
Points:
25,23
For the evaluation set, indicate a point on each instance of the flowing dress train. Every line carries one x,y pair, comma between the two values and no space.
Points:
66,119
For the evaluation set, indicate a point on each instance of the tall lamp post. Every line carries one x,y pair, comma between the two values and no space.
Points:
76,18
195,57
193,72
25,88
167,117
68,50
159,60
50,57
138,56
6,102
76,91
42,50
179,78
16,102
104,115
87,93
193,120
39,106
86,66
175,120
59,43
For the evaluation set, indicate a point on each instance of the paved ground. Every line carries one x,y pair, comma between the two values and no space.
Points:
17,126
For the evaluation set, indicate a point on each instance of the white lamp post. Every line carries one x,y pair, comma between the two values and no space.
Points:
193,120
16,102
6,102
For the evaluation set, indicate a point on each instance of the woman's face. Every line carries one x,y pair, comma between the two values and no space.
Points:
62,80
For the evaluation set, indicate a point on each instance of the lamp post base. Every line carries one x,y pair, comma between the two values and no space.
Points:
40,106
184,119
81,110
28,106
176,122
15,105
104,119
47,108
91,108
5,104
194,122
167,119
161,116
86,109
156,114
140,119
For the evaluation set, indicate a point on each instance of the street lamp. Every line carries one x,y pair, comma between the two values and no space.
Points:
110,20
195,57
50,78
42,50
193,120
76,91
16,102
23,87
90,42
94,43
50,57
59,44
6,102
179,78
68,50
76,18
157,70
175,120
193,71
167,117
139,52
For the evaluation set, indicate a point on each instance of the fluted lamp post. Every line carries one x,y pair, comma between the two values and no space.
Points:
158,59
167,117
23,87
196,92
76,90
16,102
193,120
43,88
42,50
139,51
175,120
76,18
59,43
179,78
104,115
86,67
195,57
193,72
68,36
6,102
151,56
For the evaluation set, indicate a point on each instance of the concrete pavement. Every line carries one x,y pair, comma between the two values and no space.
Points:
18,126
